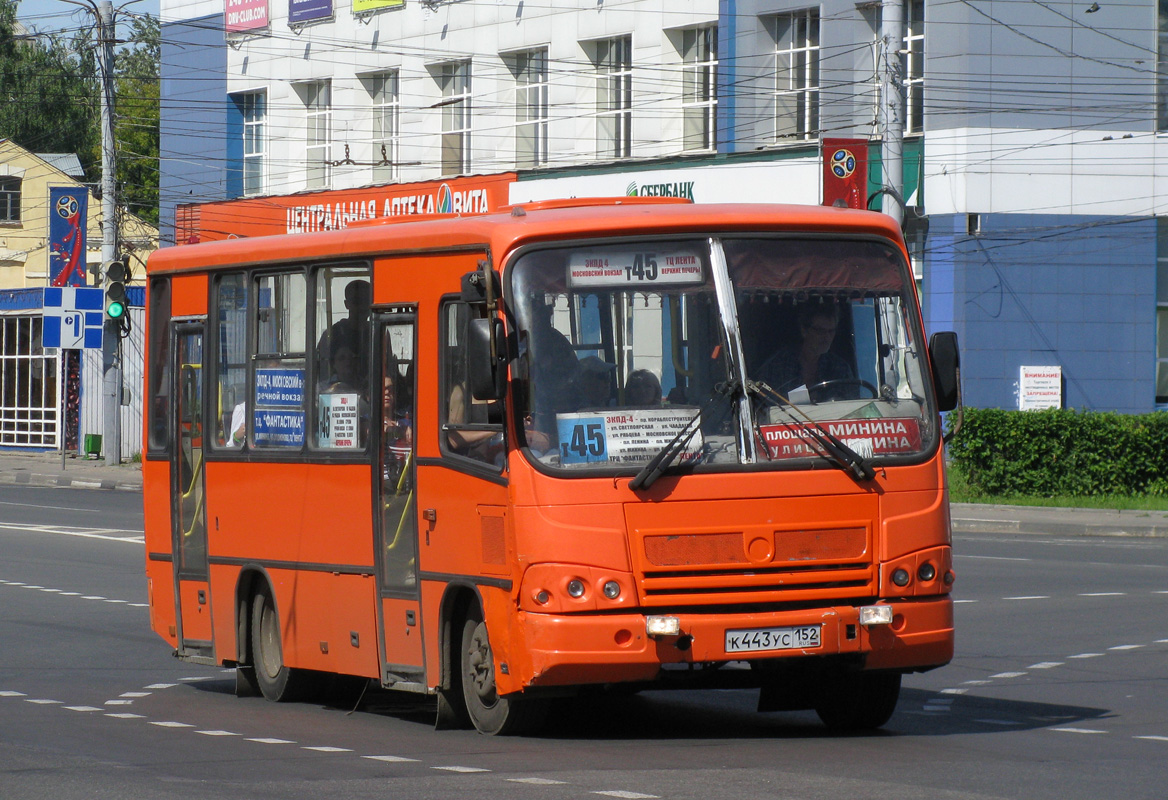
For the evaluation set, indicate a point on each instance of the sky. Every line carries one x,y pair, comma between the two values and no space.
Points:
55,15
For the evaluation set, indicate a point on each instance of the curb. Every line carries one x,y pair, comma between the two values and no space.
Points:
1058,528
33,479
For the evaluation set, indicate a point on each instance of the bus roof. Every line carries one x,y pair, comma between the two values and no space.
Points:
524,223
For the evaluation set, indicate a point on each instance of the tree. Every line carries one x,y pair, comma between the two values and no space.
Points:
48,92
136,123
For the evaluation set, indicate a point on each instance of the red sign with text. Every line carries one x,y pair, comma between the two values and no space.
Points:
869,437
845,172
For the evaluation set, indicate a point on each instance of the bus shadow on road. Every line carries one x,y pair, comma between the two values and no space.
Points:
718,714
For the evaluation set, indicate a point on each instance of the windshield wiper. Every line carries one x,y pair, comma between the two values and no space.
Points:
836,451
677,445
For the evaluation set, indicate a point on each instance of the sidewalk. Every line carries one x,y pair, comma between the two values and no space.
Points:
45,469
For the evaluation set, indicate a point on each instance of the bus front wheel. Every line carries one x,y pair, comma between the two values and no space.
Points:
858,701
276,681
490,713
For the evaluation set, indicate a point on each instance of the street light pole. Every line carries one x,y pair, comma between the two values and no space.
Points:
111,339
892,109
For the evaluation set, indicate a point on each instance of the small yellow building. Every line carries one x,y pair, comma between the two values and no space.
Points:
51,398
25,180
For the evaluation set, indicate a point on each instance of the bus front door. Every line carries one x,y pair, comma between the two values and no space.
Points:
189,515
396,523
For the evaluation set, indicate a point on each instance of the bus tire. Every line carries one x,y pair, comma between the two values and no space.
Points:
277,681
858,701
490,713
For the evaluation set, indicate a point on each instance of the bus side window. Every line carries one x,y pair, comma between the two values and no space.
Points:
344,298
160,410
470,428
231,365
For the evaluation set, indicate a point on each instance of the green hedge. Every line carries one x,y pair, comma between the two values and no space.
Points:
1062,453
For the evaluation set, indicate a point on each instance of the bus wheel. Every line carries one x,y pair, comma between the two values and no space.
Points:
858,701
490,713
276,681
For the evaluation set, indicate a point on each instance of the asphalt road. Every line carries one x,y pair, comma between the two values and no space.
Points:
1058,691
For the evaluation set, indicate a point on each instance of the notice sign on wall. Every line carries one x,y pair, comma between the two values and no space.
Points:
1040,387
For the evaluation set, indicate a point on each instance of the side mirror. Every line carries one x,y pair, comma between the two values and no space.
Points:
485,369
945,357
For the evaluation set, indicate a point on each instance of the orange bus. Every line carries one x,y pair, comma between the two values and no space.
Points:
568,446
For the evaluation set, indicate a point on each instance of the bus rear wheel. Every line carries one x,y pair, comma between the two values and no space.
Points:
858,701
276,681
489,712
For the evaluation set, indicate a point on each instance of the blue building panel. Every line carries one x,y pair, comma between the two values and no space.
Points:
1036,290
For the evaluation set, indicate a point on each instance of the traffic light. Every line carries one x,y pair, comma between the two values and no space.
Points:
115,291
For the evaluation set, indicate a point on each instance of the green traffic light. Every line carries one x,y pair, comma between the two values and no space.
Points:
115,310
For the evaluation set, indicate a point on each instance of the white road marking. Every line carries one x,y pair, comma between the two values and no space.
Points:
1103,594
10,693
1077,730
1008,675
1046,665
461,769
1153,738
1029,597
44,702
135,694
1086,655
538,781
267,740
964,601
119,702
327,749
953,691
390,759
161,685
81,708
198,678
1126,647
975,683
1003,722
172,724
126,715
92,597
628,795
109,534
217,733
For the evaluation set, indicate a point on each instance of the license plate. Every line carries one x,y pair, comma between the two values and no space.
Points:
759,639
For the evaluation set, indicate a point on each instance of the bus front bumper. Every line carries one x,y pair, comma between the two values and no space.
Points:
564,650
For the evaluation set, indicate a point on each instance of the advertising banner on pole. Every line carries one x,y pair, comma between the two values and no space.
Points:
845,172
245,15
361,6
68,212
301,11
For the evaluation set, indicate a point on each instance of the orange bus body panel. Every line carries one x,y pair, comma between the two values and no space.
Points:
310,527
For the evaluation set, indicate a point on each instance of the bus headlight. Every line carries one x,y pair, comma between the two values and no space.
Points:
875,615
662,626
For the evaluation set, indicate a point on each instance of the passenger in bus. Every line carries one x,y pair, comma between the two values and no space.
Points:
809,362
642,389
237,432
593,382
352,330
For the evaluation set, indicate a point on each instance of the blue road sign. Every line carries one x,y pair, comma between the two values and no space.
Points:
73,317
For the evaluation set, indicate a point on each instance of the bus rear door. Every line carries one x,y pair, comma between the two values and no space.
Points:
189,515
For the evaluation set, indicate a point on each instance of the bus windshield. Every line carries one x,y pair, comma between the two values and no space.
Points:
732,350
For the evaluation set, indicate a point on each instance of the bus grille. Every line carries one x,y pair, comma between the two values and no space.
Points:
756,566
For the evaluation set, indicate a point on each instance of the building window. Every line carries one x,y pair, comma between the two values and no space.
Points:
699,94
1161,310
454,80
253,108
317,97
796,75
914,66
1162,66
386,103
531,108
9,199
614,97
